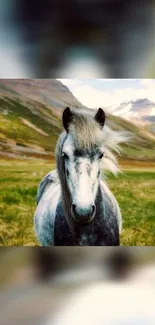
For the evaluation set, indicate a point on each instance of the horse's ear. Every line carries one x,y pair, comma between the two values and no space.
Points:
66,118
100,117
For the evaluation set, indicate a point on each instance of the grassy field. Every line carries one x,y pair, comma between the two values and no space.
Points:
134,190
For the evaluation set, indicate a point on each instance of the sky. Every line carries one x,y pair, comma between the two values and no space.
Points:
110,93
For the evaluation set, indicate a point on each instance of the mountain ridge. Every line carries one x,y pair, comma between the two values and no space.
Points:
30,126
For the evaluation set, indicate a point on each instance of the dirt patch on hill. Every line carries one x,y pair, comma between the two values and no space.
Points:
33,126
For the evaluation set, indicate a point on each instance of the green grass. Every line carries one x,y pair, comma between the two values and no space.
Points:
135,192
18,187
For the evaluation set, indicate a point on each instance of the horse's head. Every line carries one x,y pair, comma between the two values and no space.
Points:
81,154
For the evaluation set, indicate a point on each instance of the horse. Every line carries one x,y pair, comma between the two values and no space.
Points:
75,206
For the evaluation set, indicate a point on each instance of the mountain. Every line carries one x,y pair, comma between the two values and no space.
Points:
30,111
143,141
30,120
141,111
46,91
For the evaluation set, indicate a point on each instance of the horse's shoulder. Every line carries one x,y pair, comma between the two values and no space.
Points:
48,179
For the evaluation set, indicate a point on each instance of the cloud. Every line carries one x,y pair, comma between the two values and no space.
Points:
107,80
124,110
71,83
148,83
93,97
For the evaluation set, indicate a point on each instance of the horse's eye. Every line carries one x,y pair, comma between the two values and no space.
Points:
65,155
101,155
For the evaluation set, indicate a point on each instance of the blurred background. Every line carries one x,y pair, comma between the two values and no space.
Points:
39,284
80,38
77,38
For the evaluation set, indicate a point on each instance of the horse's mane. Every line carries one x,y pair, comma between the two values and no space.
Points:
112,143
86,133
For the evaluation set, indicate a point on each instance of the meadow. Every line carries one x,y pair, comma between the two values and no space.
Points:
134,190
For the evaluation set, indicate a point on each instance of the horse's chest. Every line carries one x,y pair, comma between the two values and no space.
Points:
98,233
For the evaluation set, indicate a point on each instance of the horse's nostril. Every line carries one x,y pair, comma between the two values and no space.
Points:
73,207
93,209
83,214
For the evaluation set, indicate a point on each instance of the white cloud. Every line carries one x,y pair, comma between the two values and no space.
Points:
93,98
107,80
153,111
125,110
71,82
148,83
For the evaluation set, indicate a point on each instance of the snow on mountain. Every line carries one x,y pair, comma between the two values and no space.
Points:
140,110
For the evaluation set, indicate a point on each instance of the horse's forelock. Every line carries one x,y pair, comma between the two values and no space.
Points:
85,131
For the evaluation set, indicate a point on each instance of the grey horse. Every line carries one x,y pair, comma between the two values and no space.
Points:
74,205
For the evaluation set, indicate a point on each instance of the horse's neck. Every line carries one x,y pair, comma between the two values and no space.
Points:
105,195
99,200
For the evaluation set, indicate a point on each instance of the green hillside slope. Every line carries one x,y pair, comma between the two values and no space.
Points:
30,123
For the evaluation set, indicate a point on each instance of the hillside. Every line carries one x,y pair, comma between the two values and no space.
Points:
142,145
46,91
30,123
30,113
151,128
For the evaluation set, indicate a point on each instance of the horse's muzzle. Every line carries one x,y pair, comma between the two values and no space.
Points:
83,215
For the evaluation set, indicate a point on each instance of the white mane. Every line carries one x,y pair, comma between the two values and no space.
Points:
111,143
